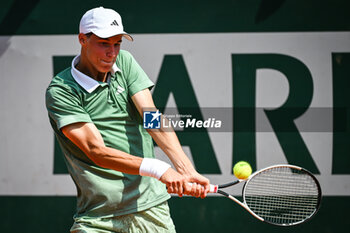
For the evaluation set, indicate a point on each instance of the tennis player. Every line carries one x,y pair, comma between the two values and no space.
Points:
95,109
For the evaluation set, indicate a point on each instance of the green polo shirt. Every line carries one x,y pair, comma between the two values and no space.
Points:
74,97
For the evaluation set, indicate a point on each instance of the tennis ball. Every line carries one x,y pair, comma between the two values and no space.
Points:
242,170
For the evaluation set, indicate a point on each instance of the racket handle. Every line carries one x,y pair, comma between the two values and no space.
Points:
212,188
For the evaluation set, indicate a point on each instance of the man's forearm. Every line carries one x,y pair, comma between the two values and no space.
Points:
114,159
169,143
111,158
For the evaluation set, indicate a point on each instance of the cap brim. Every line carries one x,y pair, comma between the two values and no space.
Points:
107,34
127,36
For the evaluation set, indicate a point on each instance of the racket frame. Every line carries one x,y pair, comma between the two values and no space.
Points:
217,189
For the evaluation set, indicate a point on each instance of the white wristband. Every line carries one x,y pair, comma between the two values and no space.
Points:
153,168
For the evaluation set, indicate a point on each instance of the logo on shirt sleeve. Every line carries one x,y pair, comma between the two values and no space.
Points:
151,119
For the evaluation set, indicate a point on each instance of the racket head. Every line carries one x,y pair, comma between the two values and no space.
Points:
282,195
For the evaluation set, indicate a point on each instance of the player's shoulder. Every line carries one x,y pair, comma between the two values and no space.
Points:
124,57
124,53
125,61
63,82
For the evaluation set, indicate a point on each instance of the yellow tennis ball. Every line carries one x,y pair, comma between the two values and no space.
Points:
242,170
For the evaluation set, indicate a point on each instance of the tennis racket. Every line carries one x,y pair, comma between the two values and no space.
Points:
283,195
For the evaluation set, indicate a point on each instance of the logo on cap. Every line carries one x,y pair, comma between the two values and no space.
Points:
114,23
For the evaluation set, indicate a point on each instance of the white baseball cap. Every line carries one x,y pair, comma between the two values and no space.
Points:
103,23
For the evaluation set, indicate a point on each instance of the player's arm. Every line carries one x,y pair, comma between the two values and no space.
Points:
87,137
169,143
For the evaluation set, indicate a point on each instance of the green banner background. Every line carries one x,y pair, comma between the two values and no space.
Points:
39,17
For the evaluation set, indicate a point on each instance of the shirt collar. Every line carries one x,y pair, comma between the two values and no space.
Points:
88,83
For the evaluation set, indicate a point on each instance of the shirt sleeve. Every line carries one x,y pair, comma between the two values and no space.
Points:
64,107
136,78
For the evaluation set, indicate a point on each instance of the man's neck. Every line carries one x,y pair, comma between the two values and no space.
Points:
87,69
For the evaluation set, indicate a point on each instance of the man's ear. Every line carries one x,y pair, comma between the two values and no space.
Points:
82,38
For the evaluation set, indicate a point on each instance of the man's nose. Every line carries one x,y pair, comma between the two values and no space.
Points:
112,52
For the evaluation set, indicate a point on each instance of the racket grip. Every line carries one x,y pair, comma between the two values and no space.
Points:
212,188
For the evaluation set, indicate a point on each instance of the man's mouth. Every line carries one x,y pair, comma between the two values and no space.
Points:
107,62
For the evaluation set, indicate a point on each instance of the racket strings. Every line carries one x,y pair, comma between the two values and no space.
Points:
282,195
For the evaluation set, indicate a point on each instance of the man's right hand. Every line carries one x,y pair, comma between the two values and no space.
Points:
178,184
174,182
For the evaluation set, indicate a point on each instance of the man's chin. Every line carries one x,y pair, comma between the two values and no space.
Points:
104,69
